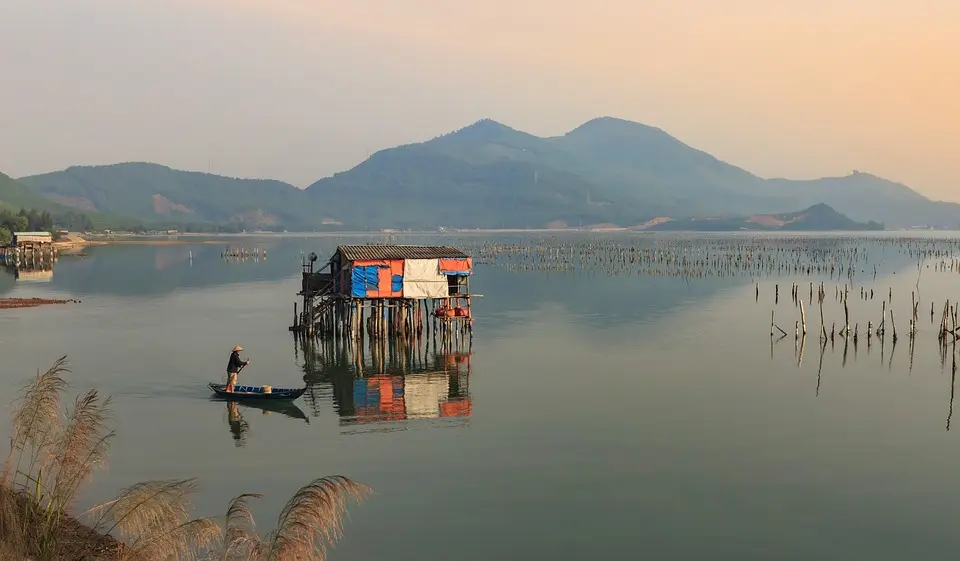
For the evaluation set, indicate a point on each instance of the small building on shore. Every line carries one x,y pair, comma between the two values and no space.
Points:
32,240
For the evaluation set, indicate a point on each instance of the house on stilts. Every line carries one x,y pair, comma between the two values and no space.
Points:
385,291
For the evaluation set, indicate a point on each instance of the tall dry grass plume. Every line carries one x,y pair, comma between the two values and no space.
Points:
53,453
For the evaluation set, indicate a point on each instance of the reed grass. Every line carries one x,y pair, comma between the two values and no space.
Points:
54,452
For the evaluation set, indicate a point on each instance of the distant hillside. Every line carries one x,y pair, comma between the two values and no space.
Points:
488,174
606,171
15,195
818,217
863,196
416,186
153,193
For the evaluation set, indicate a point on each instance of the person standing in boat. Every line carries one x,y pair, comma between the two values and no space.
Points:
234,366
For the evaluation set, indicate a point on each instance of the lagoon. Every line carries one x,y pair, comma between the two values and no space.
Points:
602,412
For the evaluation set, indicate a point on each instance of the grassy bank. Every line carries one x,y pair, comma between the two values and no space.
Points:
53,454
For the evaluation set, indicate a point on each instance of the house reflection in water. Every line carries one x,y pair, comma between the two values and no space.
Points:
34,275
399,385
41,273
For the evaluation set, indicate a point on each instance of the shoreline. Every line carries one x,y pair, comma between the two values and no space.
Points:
75,244
75,539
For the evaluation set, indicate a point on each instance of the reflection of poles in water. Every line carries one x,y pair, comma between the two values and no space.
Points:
953,378
910,349
846,345
238,426
823,348
803,343
855,344
882,340
358,378
893,350
943,357
776,341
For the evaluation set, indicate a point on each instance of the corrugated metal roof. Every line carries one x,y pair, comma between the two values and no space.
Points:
373,252
32,234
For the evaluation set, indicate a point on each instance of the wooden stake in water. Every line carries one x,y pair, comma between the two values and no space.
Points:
803,318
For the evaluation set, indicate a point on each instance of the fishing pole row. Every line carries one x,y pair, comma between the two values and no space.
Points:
840,257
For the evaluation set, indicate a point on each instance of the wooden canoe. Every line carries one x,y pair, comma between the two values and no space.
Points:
255,392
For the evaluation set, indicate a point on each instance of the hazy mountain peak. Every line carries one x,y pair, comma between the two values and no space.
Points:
120,165
485,129
614,125
821,207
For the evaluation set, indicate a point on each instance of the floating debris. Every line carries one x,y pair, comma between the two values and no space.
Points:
11,303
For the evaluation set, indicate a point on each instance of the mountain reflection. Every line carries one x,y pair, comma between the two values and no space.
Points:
386,382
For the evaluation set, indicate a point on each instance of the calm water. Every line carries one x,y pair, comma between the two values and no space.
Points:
598,416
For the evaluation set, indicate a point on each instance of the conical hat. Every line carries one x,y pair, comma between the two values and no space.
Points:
238,348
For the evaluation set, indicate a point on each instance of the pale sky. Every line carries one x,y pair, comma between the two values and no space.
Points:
299,89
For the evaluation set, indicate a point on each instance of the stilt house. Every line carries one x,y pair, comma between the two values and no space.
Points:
32,240
400,271
390,287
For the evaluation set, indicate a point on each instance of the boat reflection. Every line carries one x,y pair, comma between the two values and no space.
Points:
239,427
388,383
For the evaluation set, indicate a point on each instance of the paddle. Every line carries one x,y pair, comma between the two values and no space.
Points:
242,366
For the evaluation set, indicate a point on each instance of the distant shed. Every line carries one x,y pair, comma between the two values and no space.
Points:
400,271
21,239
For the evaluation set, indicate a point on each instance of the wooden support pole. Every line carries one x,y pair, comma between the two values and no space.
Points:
823,328
803,317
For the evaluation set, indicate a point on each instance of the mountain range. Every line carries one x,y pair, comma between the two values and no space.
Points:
817,217
606,171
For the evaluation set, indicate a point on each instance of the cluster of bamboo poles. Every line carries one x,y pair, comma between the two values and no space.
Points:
325,357
841,295
42,258
404,319
242,253
948,331
698,256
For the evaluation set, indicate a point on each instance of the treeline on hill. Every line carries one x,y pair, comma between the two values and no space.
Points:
33,220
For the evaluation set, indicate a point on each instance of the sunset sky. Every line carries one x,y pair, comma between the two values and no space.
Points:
300,89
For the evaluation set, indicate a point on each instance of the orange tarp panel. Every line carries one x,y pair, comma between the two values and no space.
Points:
385,284
456,265
371,263
396,267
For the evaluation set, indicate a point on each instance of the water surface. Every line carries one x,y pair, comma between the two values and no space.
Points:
596,416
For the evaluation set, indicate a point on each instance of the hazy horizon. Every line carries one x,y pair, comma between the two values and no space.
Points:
304,89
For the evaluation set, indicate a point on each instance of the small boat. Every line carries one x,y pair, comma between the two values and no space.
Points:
256,392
